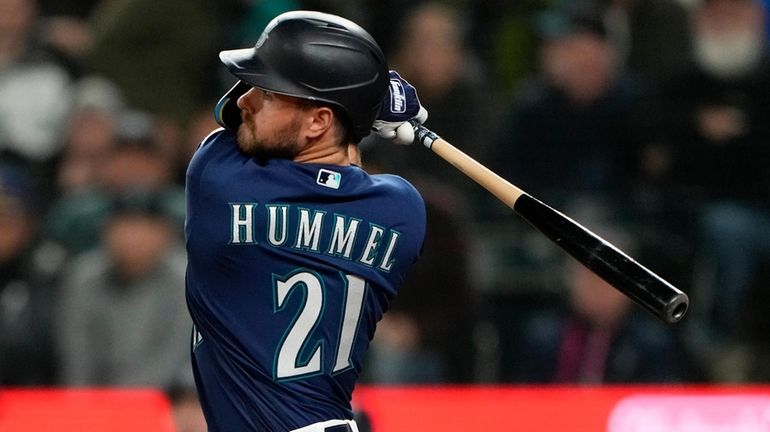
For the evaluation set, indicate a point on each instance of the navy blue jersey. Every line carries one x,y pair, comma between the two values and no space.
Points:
290,268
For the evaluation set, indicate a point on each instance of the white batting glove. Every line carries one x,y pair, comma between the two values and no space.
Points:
401,105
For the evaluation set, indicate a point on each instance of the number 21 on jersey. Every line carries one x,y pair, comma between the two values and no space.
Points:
311,313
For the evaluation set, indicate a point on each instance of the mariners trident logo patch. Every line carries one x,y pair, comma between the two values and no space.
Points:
330,179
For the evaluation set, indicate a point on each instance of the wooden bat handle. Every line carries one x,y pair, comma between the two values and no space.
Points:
488,179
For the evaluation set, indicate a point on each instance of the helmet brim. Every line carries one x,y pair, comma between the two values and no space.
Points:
246,65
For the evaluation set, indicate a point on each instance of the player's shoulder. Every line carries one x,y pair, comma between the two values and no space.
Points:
398,187
216,146
217,142
394,182
220,134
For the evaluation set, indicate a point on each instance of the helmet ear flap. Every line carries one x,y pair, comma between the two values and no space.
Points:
226,112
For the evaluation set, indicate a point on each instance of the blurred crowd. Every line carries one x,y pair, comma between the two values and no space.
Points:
644,120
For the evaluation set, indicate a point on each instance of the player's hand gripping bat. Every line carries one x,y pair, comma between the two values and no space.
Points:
644,287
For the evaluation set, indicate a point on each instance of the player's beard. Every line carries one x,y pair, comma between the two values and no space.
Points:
283,143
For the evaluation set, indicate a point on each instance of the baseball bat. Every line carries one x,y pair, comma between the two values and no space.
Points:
645,288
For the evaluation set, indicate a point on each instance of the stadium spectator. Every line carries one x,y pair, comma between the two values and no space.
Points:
65,28
28,269
713,144
90,136
502,34
123,319
136,159
567,132
35,91
650,37
158,53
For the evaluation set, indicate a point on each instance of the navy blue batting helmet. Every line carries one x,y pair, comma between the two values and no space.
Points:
314,56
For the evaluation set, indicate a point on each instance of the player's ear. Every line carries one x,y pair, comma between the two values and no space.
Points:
319,120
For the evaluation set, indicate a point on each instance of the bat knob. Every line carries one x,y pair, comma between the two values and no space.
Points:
677,308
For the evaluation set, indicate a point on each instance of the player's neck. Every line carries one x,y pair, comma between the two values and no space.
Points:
324,152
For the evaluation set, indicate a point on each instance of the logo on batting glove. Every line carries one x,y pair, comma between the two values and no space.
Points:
397,97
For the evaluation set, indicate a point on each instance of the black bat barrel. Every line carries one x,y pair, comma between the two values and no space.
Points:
644,287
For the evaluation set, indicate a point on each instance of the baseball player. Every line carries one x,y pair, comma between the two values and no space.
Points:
294,251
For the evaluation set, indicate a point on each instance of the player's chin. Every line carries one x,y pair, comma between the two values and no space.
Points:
244,133
247,142
259,150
